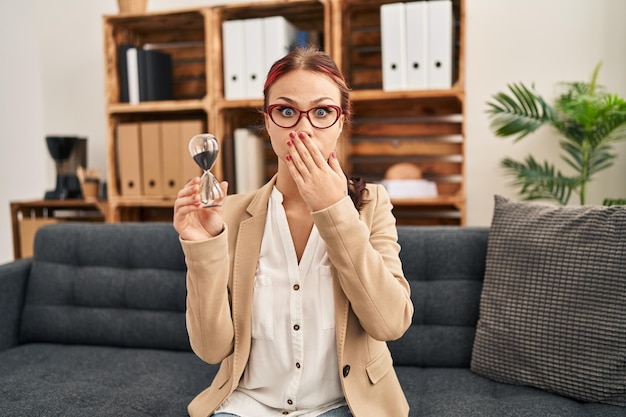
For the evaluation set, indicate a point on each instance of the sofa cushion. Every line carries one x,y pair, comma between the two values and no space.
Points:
107,284
46,379
553,307
445,267
458,392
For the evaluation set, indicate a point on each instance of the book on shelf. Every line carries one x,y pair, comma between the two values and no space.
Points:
122,71
129,159
145,75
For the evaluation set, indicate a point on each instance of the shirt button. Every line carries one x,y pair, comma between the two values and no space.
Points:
346,370
289,402
285,412
296,287
296,327
298,365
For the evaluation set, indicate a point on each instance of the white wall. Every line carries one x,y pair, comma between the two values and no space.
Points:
52,82
545,42
24,166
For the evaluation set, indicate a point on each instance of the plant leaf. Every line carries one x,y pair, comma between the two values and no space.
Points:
519,113
540,181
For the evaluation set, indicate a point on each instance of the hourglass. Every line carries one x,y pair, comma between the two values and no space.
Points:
204,149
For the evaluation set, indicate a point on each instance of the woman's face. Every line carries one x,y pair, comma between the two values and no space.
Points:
303,90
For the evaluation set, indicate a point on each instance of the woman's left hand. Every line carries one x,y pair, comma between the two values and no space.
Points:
321,183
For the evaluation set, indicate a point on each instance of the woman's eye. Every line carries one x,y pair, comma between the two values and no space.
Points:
287,111
321,112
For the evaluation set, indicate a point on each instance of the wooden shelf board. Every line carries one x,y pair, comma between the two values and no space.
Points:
427,201
157,106
379,95
153,20
142,202
239,104
73,204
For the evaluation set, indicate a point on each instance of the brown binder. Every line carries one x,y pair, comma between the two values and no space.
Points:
129,159
172,158
151,159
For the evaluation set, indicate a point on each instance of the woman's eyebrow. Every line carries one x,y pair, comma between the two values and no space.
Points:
319,100
314,102
287,99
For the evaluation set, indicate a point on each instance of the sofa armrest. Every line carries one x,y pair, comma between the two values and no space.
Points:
13,280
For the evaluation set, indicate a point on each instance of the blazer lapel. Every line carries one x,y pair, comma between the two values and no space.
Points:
250,234
246,255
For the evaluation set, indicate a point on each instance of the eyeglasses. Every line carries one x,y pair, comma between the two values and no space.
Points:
320,117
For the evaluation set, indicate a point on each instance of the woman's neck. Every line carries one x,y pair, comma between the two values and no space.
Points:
288,188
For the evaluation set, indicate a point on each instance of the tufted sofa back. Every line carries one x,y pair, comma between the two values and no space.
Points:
124,285
107,284
445,268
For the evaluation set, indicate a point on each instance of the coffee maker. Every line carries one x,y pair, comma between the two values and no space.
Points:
68,152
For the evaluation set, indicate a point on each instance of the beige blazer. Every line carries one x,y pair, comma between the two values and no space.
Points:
372,298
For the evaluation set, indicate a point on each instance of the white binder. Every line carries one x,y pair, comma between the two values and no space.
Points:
254,60
417,45
249,160
256,175
440,44
132,67
393,43
280,36
234,59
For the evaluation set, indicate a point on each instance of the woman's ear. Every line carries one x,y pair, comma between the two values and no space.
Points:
342,118
266,121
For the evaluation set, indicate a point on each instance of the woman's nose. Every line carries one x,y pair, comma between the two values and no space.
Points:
304,124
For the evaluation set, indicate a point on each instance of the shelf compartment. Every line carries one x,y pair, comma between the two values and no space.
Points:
248,117
180,34
304,14
309,15
170,142
361,57
426,132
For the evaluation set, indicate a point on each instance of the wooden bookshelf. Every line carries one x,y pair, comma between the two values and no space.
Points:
425,127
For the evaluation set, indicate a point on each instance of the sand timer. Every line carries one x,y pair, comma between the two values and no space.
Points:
204,150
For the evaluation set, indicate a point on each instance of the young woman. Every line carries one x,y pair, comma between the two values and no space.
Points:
296,287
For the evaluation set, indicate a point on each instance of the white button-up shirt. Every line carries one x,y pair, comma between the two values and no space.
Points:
292,369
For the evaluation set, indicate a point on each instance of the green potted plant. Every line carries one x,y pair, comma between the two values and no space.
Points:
589,120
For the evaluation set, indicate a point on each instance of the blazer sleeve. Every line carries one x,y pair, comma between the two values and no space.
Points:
364,250
208,316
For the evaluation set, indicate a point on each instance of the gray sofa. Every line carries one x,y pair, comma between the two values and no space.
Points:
94,325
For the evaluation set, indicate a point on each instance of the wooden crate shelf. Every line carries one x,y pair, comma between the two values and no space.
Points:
425,127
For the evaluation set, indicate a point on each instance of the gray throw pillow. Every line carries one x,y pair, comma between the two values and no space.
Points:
553,306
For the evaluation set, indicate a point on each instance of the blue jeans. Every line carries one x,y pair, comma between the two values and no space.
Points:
337,412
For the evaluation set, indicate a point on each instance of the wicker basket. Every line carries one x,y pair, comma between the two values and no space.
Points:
132,6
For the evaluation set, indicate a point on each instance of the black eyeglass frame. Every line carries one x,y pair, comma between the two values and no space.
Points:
305,113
